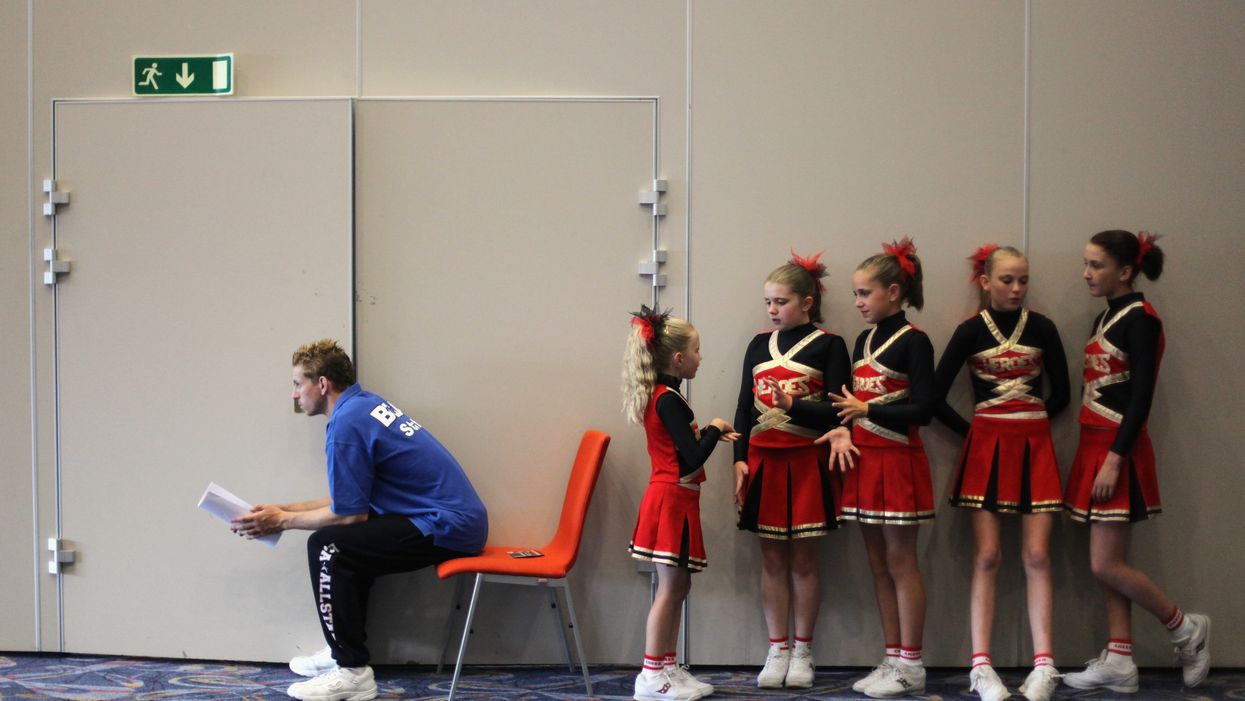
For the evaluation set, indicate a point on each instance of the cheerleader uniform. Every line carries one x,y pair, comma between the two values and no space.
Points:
1007,464
791,491
668,528
1121,368
894,373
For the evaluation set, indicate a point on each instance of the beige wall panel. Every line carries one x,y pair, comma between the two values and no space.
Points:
496,253
17,577
1138,124
834,126
543,47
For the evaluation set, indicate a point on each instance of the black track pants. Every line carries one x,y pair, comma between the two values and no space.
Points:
345,560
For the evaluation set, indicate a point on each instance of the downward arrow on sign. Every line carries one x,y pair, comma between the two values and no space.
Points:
184,79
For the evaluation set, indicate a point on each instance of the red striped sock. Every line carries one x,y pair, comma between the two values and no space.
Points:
981,658
672,658
910,655
1175,620
1120,646
892,651
780,643
1043,659
653,664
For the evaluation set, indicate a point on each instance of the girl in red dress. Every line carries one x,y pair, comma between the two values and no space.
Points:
662,352
785,488
889,492
1007,465
1113,483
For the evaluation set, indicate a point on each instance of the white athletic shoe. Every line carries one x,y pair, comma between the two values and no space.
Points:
1193,653
1118,674
1040,683
774,673
337,684
660,686
873,677
900,680
800,670
985,681
682,675
315,664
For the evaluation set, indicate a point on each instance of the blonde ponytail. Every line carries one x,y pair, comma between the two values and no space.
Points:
642,362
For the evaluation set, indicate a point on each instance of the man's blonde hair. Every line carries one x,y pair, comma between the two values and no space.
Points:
324,358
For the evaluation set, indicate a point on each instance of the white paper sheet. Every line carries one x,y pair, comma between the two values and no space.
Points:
225,505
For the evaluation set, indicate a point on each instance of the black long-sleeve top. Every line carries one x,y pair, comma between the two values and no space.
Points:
677,417
912,354
972,337
828,352
1140,335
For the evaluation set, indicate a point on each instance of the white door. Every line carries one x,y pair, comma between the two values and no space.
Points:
208,240
497,252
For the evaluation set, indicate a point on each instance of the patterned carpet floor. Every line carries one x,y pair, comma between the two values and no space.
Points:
83,678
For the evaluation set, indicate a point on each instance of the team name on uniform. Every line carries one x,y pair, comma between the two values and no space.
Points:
387,413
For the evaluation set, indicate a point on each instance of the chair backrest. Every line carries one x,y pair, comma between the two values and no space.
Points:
579,490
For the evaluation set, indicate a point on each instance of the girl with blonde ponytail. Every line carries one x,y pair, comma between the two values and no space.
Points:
661,352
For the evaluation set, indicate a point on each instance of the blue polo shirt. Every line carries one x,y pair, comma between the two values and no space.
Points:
381,460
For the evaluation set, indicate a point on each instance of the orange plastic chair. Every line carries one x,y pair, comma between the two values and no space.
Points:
550,570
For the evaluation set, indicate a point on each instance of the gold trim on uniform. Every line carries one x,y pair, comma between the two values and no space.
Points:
1091,393
883,517
967,501
870,356
1012,389
1109,516
882,431
665,558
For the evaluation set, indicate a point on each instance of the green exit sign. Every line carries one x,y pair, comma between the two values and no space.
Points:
196,74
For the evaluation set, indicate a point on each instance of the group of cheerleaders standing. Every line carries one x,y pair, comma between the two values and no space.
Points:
810,451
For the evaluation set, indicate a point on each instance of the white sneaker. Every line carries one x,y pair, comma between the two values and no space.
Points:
1104,673
985,681
1040,683
900,680
873,677
1193,653
800,670
680,674
774,673
660,686
337,684
315,664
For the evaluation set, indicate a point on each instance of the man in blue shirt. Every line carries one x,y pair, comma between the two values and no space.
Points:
398,501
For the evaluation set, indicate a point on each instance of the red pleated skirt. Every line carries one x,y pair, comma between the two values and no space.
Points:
1136,496
667,530
791,493
890,486
1008,466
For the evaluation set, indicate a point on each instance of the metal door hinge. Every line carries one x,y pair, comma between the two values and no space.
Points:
59,556
653,268
55,197
653,197
55,267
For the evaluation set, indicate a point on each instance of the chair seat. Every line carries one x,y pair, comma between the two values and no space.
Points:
495,560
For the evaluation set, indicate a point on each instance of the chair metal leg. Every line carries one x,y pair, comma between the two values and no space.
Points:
462,647
579,643
560,626
455,605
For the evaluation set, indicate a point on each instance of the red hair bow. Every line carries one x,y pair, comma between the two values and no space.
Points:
903,250
814,268
979,258
1145,242
650,323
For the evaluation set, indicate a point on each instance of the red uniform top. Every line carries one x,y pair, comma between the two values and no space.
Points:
774,428
661,447
1107,376
874,383
1013,370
